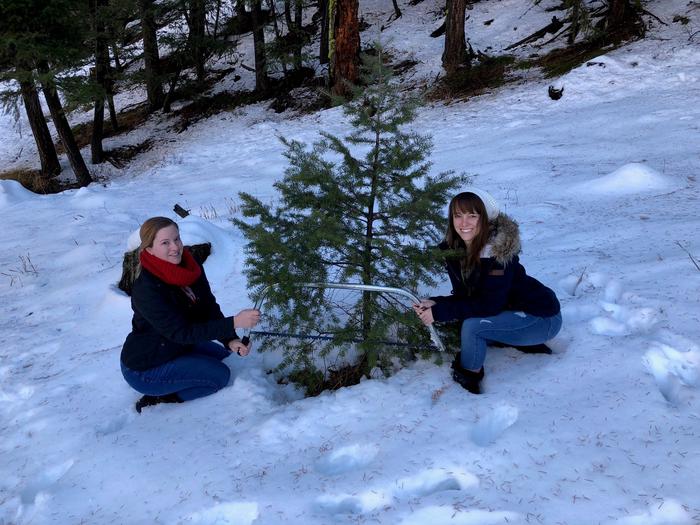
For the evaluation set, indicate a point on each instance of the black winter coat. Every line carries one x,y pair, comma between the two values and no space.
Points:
167,324
500,282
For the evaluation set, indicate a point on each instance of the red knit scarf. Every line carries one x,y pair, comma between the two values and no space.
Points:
183,274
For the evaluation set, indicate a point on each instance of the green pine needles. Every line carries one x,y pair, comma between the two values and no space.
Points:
361,209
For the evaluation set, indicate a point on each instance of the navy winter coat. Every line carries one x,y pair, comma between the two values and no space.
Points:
500,282
167,324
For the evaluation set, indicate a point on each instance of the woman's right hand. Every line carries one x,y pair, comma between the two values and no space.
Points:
247,318
424,311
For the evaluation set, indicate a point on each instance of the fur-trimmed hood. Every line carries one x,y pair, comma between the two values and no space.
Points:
504,242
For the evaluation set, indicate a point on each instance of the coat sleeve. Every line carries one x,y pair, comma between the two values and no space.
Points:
489,299
213,309
153,303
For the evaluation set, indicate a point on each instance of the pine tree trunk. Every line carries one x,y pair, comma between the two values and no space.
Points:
151,58
62,127
288,14
110,102
623,20
215,33
323,46
367,266
346,47
262,83
575,22
115,47
117,62
278,33
455,54
616,14
97,154
50,166
101,67
240,10
298,30
197,22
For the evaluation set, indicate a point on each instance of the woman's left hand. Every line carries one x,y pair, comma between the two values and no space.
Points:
238,347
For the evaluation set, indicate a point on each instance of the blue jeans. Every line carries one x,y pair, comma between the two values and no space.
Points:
513,328
190,376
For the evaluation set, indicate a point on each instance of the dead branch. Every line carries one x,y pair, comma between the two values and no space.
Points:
439,31
689,255
182,212
580,280
553,27
649,13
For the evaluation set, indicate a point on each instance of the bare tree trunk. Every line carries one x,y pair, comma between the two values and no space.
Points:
50,166
262,82
62,127
151,58
345,58
455,54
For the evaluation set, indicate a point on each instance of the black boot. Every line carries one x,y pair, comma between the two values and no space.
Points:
466,378
147,401
534,349
530,349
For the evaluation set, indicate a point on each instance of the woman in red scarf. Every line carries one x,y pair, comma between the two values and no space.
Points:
170,355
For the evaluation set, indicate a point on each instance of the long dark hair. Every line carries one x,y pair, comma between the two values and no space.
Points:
467,202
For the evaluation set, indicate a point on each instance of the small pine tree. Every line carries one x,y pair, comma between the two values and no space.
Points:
360,209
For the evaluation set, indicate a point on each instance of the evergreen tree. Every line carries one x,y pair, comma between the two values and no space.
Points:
46,37
362,209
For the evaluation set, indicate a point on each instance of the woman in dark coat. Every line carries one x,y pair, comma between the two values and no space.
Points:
492,294
169,355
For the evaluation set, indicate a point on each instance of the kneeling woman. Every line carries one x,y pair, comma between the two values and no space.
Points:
492,294
169,355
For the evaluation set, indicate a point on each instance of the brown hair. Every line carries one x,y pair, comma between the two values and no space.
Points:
150,229
467,202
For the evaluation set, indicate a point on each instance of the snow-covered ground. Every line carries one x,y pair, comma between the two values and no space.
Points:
607,430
